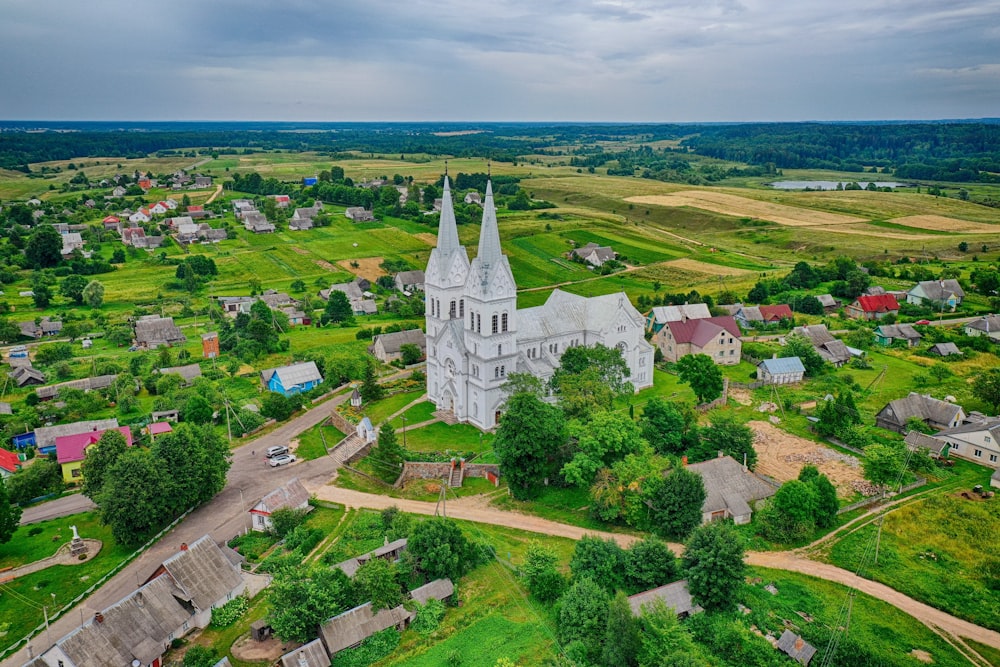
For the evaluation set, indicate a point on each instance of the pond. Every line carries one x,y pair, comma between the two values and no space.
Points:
831,185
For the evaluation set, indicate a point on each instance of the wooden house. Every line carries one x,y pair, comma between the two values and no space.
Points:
290,496
730,489
293,379
675,595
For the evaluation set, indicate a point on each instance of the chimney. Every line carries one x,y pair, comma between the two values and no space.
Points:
184,546
99,617
684,460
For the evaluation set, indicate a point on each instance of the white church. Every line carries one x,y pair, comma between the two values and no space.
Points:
476,335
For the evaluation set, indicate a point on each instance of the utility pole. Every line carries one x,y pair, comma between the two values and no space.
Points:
229,429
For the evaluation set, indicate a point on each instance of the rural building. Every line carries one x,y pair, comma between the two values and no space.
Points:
312,654
142,215
829,303
86,384
390,551
748,316
873,307
831,349
935,448
887,334
364,307
355,625
675,595
44,437
594,254
300,224
730,489
46,326
290,496
786,370
776,313
660,315
243,206
944,349
717,337
796,647
439,589
189,373
388,347
157,428
210,345
152,331
9,463
71,450
976,440
295,316
24,376
234,305
942,294
281,201
256,222
473,198
294,379
131,236
358,214
71,241
935,413
352,290
202,181
409,281
987,325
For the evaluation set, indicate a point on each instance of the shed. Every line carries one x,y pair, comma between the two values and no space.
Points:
944,349
785,370
355,625
675,595
189,372
439,589
312,654
935,448
390,551
796,647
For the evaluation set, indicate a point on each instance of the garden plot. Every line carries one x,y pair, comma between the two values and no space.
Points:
367,267
782,455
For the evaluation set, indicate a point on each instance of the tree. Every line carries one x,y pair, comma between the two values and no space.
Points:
728,436
621,634
665,642
986,387
41,290
599,560
200,656
827,504
387,454
99,459
439,549
277,406
8,331
10,514
44,248
529,435
606,438
197,459
705,378
799,346
608,362
93,294
42,477
790,514
663,425
370,389
583,613
197,410
375,581
883,463
338,309
410,353
676,502
72,288
713,563
649,563
304,598
132,497
541,574
517,383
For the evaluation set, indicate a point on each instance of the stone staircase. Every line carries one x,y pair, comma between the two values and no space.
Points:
447,416
456,477
347,448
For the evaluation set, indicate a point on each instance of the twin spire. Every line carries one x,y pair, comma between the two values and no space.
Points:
489,233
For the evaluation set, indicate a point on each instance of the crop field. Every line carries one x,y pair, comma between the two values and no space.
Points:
735,205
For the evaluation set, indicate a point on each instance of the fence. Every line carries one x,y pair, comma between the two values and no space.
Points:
876,499
97,584
721,400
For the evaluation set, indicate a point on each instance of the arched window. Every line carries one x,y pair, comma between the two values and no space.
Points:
461,307
479,323
502,372
451,310
496,371
472,321
495,323
499,350
504,322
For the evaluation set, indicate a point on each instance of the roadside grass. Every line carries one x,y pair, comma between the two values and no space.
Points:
991,654
24,597
936,550
311,441
887,633
426,490
568,505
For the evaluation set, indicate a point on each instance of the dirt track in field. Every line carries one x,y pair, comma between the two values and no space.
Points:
705,267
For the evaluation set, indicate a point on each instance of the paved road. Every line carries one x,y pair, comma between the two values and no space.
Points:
249,479
53,509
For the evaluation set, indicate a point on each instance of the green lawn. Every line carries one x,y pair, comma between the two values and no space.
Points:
441,437
311,443
420,412
380,411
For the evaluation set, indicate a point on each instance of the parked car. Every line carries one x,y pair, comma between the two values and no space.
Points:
281,460
922,322
277,450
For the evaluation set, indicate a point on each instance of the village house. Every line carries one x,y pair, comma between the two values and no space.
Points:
292,496
935,413
472,198
944,349
831,349
46,326
25,376
660,315
312,654
942,294
387,347
977,440
785,370
293,379
594,254
188,373
9,463
256,222
187,232
43,438
202,181
140,216
829,303
364,307
243,206
281,201
987,325
887,334
408,282
730,489
152,331
118,192
159,208
873,307
86,384
131,236
358,214
352,290
675,595
717,337
71,450
111,223
71,241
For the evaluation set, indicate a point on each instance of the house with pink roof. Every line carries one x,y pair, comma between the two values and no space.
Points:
71,450
158,428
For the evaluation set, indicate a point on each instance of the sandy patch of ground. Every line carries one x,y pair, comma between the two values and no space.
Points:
720,202
922,656
741,396
782,455
269,650
426,237
941,223
367,267
705,267
323,264
301,251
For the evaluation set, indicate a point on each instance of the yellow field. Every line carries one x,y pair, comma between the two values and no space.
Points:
941,223
705,267
874,231
719,202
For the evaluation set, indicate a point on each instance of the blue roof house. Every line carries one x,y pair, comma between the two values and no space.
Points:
294,379
781,371
309,180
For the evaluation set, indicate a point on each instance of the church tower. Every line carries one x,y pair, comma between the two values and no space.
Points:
490,325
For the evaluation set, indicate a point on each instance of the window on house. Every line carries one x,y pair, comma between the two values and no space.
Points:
993,458
978,453
76,472
503,322
987,440
496,325
732,353
721,352
503,372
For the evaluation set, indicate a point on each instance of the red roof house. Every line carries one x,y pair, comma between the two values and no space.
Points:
873,307
111,219
776,313
9,463
718,337
158,428
193,208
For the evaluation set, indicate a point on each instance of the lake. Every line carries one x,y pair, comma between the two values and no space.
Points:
831,185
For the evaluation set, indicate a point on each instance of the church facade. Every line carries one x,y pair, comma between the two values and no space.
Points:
476,336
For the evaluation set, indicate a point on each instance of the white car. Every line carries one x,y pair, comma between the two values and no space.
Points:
281,460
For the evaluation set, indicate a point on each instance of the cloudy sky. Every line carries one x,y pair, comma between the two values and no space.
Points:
503,60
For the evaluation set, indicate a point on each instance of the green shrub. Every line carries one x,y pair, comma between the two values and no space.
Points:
371,650
428,617
229,613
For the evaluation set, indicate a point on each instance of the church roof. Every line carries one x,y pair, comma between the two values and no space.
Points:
564,313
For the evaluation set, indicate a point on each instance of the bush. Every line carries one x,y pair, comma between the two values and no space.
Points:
303,539
371,650
428,617
229,613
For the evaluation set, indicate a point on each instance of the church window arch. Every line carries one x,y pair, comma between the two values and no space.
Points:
503,322
461,308
503,373
496,323
451,310
496,372
622,347
499,349
479,323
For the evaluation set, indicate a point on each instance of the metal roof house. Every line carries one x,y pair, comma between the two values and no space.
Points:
660,315
796,647
390,551
935,448
294,379
932,411
942,294
944,349
729,489
675,595
831,349
786,370
355,625
388,347
290,496
312,654
887,334
987,325
976,440
439,589
72,449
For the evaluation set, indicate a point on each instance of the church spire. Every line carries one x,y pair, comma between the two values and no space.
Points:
489,252
447,227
